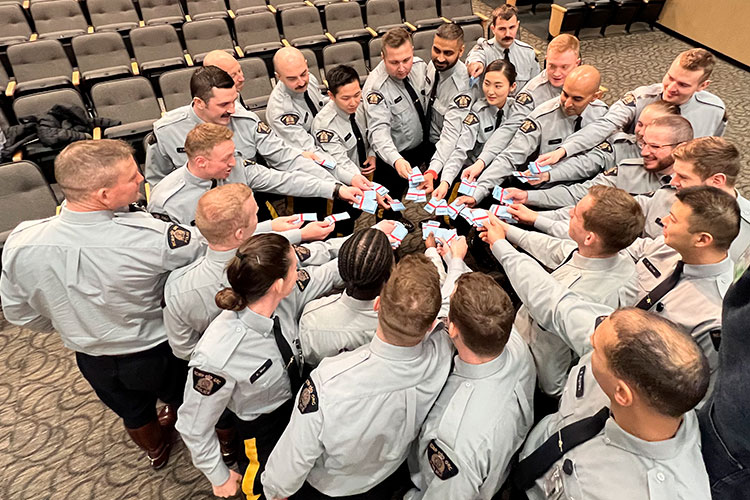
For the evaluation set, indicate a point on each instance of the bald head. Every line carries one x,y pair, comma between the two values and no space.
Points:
581,87
223,60
290,66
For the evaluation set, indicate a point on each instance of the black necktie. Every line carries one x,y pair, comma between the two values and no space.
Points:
498,118
361,153
214,183
430,102
558,444
506,55
290,360
661,289
577,126
417,103
310,104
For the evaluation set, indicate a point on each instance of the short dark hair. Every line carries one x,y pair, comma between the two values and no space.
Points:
698,59
258,263
206,78
365,262
339,76
504,12
663,362
679,126
483,313
710,156
395,38
615,217
714,212
450,31
505,67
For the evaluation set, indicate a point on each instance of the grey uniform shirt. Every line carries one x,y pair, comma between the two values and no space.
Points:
237,365
336,323
453,81
96,277
610,281
333,134
289,115
476,128
705,112
479,421
618,147
521,54
177,195
393,122
537,91
629,176
390,389
251,137
541,132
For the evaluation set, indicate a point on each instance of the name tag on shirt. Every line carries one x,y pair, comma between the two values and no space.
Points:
260,371
398,99
347,136
555,141
487,129
651,268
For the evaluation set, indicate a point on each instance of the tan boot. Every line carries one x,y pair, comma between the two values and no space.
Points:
152,439
228,444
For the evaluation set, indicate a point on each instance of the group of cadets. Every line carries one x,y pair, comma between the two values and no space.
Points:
326,369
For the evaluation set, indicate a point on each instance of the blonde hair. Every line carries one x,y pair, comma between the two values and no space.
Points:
563,43
86,166
204,138
219,213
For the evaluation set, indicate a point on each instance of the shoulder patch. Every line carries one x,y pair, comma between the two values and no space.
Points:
289,119
178,236
303,278
471,119
263,128
606,147
629,100
207,383
303,253
324,136
375,98
441,464
528,126
463,101
612,171
524,98
308,398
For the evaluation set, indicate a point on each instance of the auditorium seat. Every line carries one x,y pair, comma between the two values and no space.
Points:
349,53
130,100
312,62
302,28
624,13
567,18
14,28
459,11
423,44
241,7
39,65
257,86
58,19
257,33
206,9
157,48
101,56
201,37
599,14
161,12
422,14
649,12
41,102
374,47
472,32
344,22
112,15
282,5
175,87
383,15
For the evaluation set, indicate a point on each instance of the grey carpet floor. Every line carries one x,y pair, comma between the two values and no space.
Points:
57,441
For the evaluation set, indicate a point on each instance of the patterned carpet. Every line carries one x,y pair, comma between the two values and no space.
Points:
57,441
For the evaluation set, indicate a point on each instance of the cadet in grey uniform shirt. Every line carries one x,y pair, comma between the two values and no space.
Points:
684,84
504,45
249,358
667,466
96,275
215,101
336,455
485,409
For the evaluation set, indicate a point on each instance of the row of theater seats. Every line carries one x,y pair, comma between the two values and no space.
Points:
572,17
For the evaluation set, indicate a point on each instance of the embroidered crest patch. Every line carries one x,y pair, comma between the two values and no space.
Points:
441,464
207,383
374,98
308,398
177,236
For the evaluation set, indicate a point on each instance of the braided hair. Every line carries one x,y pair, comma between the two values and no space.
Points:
365,262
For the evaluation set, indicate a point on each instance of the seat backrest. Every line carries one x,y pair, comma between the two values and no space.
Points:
349,53
3,78
423,44
38,104
343,16
472,32
13,22
161,11
57,15
415,10
312,62
100,50
129,100
202,37
257,82
24,195
38,59
206,9
375,45
175,87
112,14
256,28
301,21
240,7
152,43
455,8
382,13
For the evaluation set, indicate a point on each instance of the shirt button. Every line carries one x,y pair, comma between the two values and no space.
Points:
467,384
660,476
238,329
362,355
607,440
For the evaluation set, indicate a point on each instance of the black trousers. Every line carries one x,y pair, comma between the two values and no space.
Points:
258,437
397,186
130,384
392,487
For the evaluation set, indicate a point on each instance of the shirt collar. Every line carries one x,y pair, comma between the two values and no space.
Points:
480,371
708,270
656,450
221,256
340,112
394,352
594,264
191,178
357,304
255,321
85,217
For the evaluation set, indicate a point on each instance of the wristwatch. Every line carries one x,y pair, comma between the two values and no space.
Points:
336,190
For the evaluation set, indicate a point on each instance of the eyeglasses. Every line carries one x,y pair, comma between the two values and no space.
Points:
655,147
